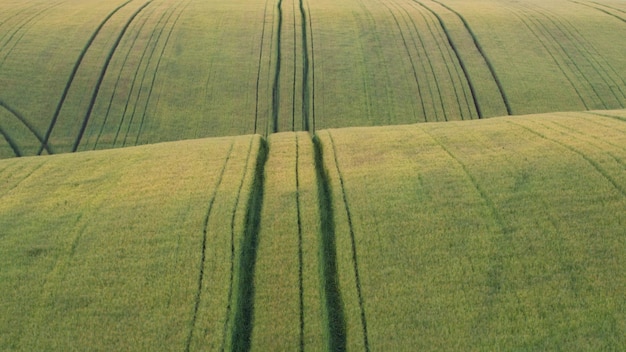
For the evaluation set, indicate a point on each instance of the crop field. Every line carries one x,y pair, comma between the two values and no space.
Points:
280,175
83,75
135,258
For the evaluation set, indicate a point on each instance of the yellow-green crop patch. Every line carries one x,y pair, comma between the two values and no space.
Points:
505,233
298,225
83,75
125,249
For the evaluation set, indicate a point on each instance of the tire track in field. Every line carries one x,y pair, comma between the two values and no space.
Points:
133,85
258,74
352,243
368,92
70,79
333,304
610,7
438,40
300,253
23,32
556,61
117,80
585,49
16,15
295,66
205,228
602,10
572,149
492,70
17,184
156,71
565,54
596,142
305,68
416,31
495,275
276,84
623,119
413,69
25,122
458,57
410,22
310,99
11,142
103,72
244,310
231,281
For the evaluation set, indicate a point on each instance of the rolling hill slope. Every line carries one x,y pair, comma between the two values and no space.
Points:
84,75
499,233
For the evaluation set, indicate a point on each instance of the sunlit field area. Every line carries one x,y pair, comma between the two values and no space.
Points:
363,175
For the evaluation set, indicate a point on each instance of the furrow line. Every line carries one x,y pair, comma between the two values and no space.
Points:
103,71
17,184
495,272
119,76
622,119
305,69
443,58
572,63
25,122
311,93
18,39
352,243
147,66
601,9
205,229
333,305
11,142
363,68
295,65
556,61
592,58
415,76
15,15
505,100
70,79
590,161
408,53
427,54
258,75
596,142
156,71
610,7
438,40
300,254
127,103
276,84
231,280
244,310
458,56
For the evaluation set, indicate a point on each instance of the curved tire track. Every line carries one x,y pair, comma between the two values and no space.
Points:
352,243
205,227
25,122
103,72
70,79
458,56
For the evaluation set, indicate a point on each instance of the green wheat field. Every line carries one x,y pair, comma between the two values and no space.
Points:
312,175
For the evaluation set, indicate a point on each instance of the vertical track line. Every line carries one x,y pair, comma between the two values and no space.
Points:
103,71
276,84
300,254
205,228
352,243
70,79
